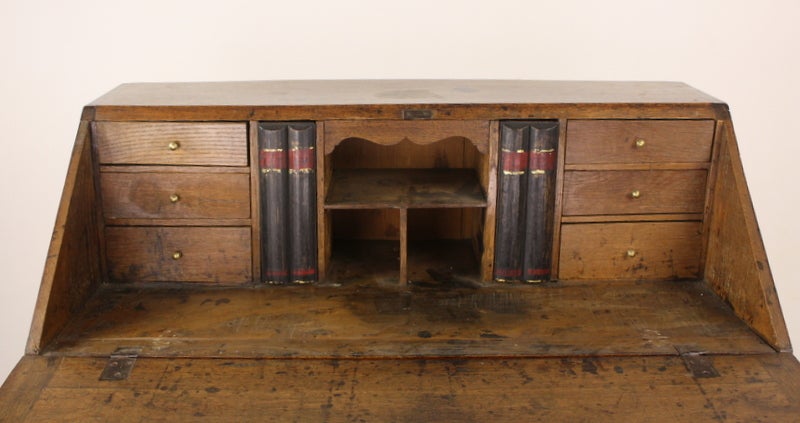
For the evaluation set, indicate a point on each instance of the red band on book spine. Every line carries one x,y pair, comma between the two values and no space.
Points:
542,160
515,161
272,159
508,273
302,159
537,272
304,272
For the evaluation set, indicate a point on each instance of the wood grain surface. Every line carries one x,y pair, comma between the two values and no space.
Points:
441,316
621,389
72,271
420,132
404,188
614,141
736,263
392,99
212,144
611,192
660,250
175,195
206,254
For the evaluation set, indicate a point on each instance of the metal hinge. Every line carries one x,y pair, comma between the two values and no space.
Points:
699,365
120,363
417,114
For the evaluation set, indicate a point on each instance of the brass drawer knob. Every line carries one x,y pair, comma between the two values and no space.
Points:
177,255
174,198
640,143
174,145
636,194
631,253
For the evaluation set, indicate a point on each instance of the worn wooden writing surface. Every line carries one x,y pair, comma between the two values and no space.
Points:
755,388
451,318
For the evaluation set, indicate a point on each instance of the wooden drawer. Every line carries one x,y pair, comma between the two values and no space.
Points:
175,195
634,192
646,250
194,254
639,141
170,143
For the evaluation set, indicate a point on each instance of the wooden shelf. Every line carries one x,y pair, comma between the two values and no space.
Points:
404,188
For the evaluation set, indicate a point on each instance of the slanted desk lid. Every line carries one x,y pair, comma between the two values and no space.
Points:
763,387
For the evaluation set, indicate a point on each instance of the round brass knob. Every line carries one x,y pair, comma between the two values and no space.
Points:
174,145
640,143
636,194
177,255
631,253
174,198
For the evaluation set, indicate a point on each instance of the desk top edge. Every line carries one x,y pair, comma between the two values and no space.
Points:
292,93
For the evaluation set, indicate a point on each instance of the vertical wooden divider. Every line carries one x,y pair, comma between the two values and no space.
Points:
255,199
323,221
489,170
403,246
560,158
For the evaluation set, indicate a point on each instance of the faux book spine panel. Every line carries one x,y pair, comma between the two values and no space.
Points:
288,202
511,202
525,200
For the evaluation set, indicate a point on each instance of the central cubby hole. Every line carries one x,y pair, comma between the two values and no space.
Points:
405,211
445,246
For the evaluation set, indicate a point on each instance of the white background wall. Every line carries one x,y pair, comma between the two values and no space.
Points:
56,56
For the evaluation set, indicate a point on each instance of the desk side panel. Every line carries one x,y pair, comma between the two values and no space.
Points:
736,262
72,269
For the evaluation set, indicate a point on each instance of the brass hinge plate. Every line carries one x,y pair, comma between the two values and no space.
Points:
701,366
120,363
417,114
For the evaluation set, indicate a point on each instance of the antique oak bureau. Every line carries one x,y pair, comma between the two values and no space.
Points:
406,251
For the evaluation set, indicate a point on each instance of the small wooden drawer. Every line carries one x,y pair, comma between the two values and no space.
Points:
634,192
646,250
175,195
639,141
170,254
171,143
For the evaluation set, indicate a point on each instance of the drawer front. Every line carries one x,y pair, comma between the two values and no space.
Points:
175,195
639,141
658,251
213,144
634,192
169,254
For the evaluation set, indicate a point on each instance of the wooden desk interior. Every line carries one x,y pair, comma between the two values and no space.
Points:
449,250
